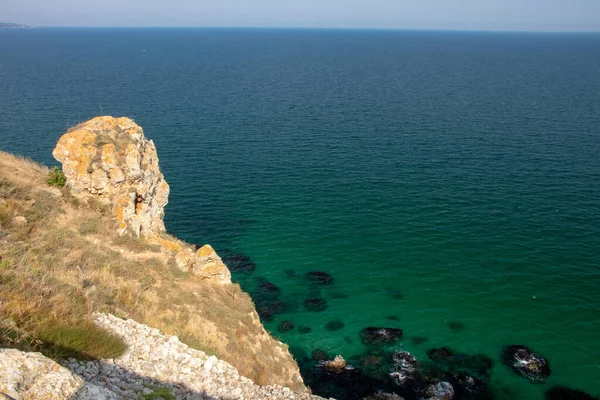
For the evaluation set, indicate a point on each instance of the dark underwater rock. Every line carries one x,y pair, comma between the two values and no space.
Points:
456,326
440,391
320,278
403,367
304,329
392,318
564,393
285,326
316,304
404,361
334,325
267,287
395,294
238,262
375,335
523,361
417,340
479,365
441,355
468,387
319,355
267,309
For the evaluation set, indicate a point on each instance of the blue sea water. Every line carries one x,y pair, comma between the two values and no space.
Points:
444,179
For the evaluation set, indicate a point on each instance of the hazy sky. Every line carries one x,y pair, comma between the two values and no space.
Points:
548,15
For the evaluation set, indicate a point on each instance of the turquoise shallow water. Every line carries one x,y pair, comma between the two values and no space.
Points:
438,177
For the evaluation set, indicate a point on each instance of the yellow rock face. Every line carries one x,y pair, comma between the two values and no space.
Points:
111,160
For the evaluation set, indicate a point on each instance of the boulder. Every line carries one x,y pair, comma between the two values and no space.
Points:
315,304
318,277
285,326
336,365
440,391
375,335
25,376
523,361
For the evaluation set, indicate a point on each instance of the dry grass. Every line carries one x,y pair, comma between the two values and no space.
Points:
67,262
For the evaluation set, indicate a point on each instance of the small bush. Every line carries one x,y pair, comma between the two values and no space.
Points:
56,177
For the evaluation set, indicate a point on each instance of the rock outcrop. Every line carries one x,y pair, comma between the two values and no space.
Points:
110,160
31,376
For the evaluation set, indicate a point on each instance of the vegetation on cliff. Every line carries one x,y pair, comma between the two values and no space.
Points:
62,258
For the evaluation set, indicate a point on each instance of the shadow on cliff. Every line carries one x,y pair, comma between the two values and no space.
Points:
136,383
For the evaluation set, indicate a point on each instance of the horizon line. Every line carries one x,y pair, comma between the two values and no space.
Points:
331,28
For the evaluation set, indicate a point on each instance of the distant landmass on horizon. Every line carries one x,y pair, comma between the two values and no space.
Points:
13,25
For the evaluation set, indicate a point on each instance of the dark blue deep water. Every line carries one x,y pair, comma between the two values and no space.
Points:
449,182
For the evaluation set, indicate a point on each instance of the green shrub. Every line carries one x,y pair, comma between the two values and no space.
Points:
56,177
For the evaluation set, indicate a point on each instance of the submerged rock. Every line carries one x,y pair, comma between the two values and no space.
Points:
443,354
403,367
393,318
319,355
318,277
267,309
304,329
315,304
564,393
468,387
238,262
456,326
334,325
405,362
269,288
440,391
417,340
479,365
375,335
285,326
523,361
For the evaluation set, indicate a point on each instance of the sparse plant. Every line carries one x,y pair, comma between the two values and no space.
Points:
159,393
56,177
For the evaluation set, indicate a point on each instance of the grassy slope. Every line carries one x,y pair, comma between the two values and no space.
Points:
67,261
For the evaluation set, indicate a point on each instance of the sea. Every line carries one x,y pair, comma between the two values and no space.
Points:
447,182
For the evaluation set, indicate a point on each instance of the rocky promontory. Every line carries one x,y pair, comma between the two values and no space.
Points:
72,257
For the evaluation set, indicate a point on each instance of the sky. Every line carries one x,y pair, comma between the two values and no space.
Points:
527,15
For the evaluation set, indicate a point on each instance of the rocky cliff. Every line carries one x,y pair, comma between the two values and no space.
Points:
110,160
99,245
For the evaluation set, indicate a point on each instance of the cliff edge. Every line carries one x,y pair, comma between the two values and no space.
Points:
99,245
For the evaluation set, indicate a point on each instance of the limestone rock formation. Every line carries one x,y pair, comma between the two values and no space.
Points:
111,160
29,376
205,263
